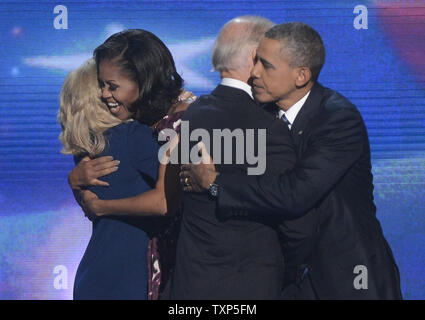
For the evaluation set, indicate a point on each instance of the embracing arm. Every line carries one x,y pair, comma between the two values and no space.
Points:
164,198
86,173
152,202
336,144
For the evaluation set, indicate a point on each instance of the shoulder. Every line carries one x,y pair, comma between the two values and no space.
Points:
137,128
336,111
139,135
334,102
337,116
204,104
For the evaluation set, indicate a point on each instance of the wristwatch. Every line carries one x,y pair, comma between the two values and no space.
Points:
213,190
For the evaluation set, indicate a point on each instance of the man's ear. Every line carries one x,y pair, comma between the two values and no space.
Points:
303,76
254,53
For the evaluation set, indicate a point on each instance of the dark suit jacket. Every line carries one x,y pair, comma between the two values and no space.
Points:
236,258
327,202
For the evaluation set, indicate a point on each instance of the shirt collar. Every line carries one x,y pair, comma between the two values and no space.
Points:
292,112
234,83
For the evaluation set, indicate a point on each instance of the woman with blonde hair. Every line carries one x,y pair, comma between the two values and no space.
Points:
84,117
137,79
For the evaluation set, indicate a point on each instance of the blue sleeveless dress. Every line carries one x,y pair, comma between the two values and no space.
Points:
114,265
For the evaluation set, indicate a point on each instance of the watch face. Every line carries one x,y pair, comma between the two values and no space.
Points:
214,190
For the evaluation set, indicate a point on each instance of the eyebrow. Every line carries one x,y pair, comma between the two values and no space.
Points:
108,81
264,62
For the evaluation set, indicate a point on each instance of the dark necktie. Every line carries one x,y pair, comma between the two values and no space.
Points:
285,119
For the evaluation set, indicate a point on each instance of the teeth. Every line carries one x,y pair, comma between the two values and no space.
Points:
112,105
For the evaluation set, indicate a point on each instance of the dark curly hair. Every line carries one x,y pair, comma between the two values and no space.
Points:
147,61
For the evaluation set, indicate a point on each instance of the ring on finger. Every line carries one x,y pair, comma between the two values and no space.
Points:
186,181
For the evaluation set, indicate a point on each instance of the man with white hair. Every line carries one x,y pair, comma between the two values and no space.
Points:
236,258
333,243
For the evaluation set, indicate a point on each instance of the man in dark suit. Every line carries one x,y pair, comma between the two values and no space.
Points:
333,244
237,258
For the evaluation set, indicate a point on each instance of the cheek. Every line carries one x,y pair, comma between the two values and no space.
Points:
135,93
271,85
129,95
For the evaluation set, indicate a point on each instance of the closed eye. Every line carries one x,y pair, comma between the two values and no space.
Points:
266,64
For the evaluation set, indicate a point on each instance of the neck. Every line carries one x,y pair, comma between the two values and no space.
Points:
294,96
238,75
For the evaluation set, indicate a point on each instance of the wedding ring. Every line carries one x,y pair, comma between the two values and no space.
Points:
186,181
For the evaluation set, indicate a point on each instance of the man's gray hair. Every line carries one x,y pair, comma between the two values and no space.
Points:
302,44
231,49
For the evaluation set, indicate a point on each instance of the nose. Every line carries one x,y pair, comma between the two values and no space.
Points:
106,93
255,71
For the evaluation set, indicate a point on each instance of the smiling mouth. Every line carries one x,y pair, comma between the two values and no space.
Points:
114,107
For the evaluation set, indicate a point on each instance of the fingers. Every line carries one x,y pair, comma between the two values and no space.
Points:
97,182
184,95
206,158
105,171
184,178
102,166
187,181
185,167
104,163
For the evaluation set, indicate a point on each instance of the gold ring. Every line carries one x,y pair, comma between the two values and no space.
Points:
186,181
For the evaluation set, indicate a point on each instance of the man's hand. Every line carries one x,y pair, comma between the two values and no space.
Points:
87,172
198,177
183,101
90,204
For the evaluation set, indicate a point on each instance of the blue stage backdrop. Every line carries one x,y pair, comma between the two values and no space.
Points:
381,69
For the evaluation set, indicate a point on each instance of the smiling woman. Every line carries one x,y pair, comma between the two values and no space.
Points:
137,78
118,91
137,72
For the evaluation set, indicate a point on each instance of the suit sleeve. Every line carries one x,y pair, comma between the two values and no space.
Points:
334,146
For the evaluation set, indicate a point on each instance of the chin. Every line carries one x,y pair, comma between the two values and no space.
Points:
262,98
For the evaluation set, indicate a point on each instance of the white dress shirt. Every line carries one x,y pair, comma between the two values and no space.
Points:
292,112
234,83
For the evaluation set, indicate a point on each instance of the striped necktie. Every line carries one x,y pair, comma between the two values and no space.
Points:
284,119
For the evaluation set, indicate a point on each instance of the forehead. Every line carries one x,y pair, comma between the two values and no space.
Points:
269,47
109,70
271,50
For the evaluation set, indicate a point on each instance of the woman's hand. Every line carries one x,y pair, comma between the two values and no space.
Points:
87,172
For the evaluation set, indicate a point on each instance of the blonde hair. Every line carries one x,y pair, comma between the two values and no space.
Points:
82,114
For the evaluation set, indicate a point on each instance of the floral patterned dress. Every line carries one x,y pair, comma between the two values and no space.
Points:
162,246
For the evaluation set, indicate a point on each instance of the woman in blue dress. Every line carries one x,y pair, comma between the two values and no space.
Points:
138,80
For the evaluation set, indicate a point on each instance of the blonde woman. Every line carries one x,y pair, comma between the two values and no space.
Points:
96,122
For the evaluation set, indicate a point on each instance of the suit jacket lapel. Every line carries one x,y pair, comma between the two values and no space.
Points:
310,108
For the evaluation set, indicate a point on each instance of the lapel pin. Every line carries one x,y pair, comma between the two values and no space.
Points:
300,132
